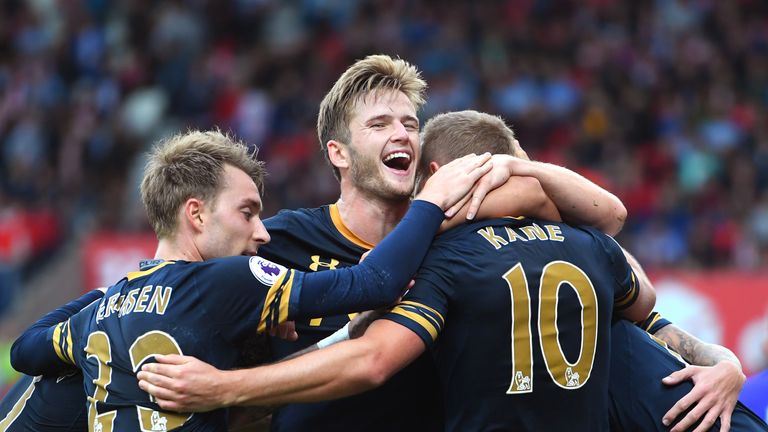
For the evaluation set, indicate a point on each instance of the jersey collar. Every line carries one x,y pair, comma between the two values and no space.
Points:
344,230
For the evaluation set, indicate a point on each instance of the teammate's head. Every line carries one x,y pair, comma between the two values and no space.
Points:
455,134
210,182
369,115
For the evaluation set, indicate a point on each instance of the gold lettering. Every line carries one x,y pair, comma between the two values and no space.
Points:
129,302
141,303
111,305
160,299
534,231
100,313
513,235
554,233
495,240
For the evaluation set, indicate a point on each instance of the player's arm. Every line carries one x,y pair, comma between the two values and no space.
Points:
38,351
187,384
578,200
646,293
379,280
715,372
514,196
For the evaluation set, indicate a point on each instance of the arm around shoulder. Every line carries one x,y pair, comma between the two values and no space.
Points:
646,293
518,196
187,384
580,201
340,370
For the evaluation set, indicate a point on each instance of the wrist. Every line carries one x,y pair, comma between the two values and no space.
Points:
523,168
229,382
734,366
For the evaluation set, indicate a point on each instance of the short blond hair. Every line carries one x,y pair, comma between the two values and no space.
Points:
191,165
452,135
373,73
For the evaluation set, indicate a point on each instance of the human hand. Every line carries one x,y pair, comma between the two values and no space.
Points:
184,384
285,330
715,393
497,176
451,184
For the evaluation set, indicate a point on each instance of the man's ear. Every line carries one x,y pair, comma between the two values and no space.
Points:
194,213
338,154
433,167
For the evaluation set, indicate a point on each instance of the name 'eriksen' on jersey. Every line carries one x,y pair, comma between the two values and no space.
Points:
148,299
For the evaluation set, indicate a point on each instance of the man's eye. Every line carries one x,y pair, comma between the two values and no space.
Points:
378,125
247,215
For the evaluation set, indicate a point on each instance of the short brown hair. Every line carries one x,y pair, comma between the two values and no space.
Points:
452,135
191,165
375,72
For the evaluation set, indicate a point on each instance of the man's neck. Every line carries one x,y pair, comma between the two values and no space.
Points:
174,249
367,217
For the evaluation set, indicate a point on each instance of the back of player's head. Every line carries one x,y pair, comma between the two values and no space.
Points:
452,135
191,165
373,73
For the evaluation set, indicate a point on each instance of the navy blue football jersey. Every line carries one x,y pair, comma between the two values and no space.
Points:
169,309
639,399
45,404
317,240
51,403
172,307
517,313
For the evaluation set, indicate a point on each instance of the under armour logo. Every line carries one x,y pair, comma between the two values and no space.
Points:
316,263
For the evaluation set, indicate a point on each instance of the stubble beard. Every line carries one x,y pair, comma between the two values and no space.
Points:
366,175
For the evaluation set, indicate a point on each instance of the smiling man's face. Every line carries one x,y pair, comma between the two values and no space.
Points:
384,144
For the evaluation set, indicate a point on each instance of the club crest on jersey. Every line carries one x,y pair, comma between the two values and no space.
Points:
265,271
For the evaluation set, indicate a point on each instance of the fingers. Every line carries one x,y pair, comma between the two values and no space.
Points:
156,384
456,207
679,376
287,331
163,397
695,414
450,184
707,423
478,195
681,406
725,420
171,359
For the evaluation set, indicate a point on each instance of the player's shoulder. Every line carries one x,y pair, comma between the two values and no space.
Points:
298,218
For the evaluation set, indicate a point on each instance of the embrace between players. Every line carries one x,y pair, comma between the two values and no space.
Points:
515,320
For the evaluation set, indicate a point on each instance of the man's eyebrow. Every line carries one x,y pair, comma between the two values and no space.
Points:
389,116
256,205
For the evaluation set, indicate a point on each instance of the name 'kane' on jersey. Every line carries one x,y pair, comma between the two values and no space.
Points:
518,314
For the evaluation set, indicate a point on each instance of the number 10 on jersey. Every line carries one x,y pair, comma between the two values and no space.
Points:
567,375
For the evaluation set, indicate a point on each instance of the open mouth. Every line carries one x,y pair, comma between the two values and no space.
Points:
398,161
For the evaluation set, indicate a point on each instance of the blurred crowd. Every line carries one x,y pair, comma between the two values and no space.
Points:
661,101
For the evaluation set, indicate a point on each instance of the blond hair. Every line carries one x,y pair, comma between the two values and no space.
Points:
191,165
452,135
373,73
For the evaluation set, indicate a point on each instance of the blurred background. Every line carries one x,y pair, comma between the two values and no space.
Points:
663,102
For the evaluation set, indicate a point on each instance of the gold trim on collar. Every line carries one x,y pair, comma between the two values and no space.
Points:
137,274
346,232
